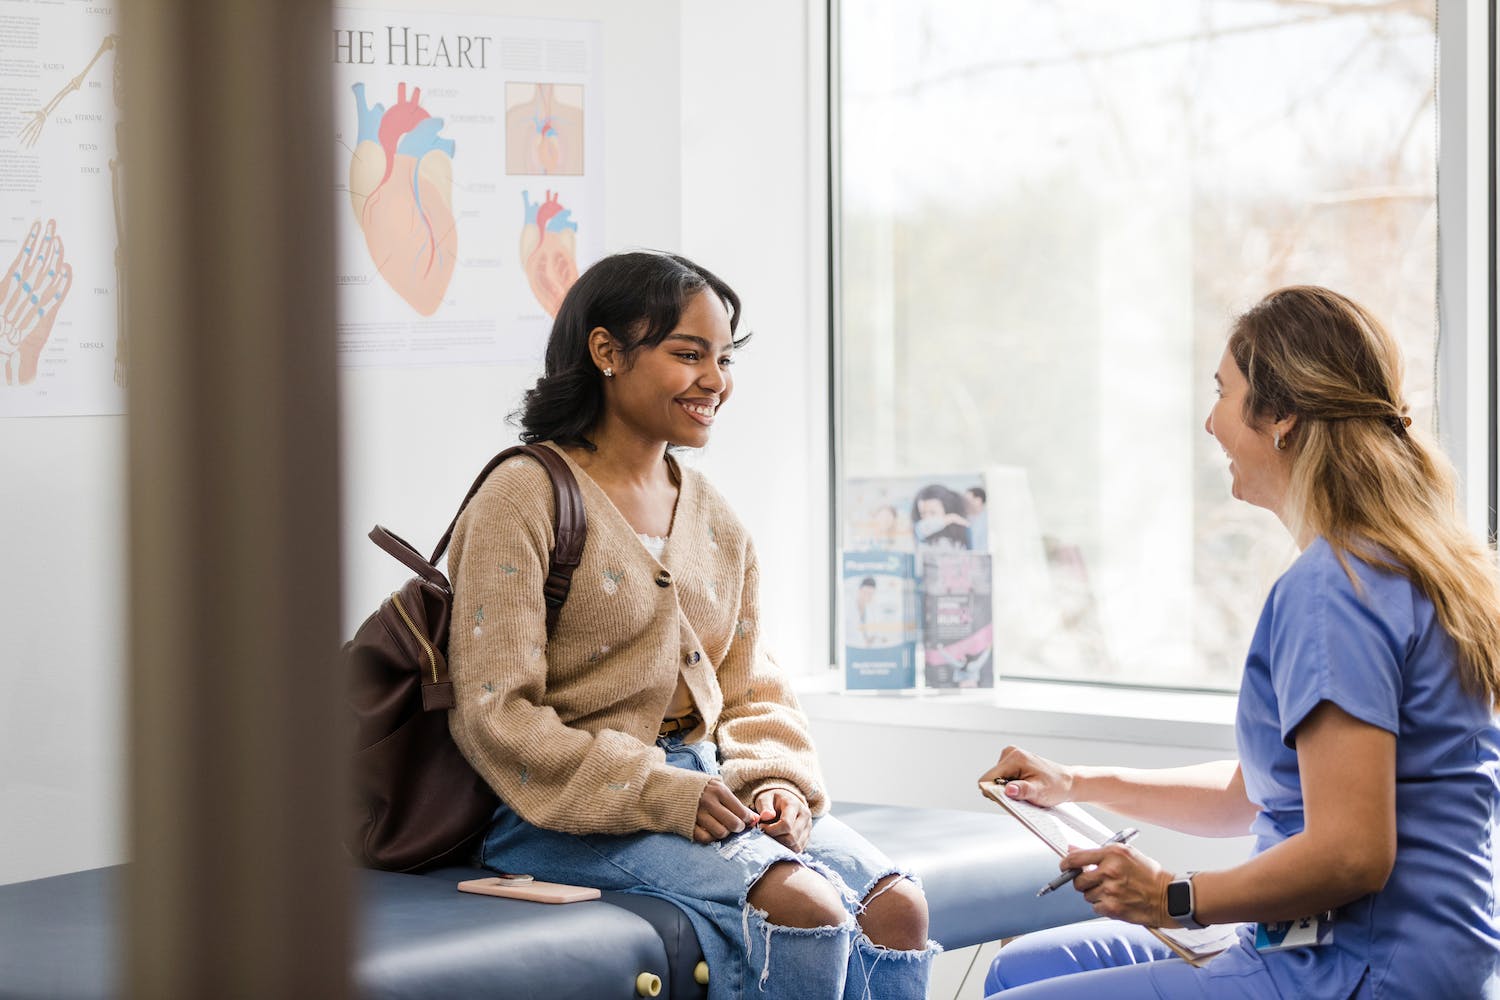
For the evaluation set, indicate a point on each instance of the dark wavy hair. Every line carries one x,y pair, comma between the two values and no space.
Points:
638,297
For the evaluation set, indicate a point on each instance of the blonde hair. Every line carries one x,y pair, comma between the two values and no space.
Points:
1365,480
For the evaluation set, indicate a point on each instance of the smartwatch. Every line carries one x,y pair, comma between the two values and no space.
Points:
1180,903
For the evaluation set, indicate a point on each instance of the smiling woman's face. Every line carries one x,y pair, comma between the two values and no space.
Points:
673,392
1260,473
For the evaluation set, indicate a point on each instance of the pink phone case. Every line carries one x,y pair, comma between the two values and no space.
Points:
537,892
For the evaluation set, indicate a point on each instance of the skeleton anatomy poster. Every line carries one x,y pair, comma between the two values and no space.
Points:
469,169
63,344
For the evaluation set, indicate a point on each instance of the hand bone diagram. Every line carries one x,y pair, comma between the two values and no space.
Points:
36,285
549,250
401,187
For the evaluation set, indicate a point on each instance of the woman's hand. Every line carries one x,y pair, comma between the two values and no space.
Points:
1031,778
785,817
1124,884
720,813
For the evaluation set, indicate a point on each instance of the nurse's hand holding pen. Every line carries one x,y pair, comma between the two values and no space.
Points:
1120,882
1125,836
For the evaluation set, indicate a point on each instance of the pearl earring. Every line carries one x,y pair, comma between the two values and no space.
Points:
609,373
1279,442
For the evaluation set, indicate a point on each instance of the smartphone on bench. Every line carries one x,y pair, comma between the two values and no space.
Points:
526,887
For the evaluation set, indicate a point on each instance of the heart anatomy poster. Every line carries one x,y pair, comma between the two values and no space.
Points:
64,349
470,169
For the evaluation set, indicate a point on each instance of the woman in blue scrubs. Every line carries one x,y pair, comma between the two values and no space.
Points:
1368,751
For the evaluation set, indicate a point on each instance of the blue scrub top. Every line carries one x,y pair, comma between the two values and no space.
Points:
1380,655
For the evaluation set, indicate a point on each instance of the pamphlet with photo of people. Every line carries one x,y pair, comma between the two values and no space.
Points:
958,636
916,513
880,621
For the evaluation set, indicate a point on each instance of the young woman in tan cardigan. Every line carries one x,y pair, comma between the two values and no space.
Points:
652,745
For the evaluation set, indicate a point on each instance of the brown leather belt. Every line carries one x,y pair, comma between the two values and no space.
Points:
681,724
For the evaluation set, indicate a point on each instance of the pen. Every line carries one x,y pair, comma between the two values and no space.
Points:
1125,836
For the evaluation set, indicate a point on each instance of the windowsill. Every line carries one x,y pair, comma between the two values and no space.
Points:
1036,708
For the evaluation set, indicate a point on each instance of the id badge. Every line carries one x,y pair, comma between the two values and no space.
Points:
1304,932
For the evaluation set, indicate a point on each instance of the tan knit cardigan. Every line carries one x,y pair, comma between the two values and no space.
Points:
564,731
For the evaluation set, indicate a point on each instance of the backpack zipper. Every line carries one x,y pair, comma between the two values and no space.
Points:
417,635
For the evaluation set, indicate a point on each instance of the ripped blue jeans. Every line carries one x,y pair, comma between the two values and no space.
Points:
747,956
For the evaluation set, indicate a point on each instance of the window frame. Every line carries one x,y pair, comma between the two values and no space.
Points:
1492,266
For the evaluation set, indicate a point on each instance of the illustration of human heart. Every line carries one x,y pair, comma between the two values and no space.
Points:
401,189
549,249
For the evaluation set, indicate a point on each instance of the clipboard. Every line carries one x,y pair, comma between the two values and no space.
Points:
1065,827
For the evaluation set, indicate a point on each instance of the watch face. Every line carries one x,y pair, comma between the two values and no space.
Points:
1179,898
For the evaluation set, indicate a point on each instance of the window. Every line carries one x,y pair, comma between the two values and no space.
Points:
1049,213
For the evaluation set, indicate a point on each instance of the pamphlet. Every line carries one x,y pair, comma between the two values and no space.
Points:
958,635
915,513
880,622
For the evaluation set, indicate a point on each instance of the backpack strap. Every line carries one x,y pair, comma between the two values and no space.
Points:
569,531
408,555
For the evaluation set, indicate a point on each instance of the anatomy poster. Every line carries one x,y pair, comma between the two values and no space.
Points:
469,157
64,349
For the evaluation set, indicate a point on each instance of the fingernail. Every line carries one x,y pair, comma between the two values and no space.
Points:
1012,791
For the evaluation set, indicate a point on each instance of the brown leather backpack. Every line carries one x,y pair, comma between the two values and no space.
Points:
418,803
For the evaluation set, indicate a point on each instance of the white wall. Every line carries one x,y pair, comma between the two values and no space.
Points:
62,644
753,210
